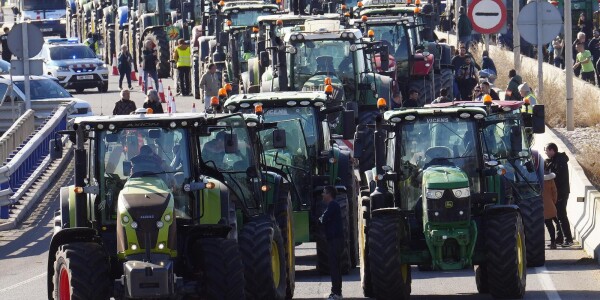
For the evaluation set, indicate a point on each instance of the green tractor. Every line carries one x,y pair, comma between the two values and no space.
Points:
310,161
151,215
439,199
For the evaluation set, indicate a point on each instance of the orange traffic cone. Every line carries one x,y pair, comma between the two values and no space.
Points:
133,77
149,84
193,107
141,78
161,91
115,70
173,106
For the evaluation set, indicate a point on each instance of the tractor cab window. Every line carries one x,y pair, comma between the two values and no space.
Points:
245,46
246,17
138,153
152,6
432,141
395,37
294,153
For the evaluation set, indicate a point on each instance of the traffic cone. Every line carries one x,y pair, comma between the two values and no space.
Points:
161,91
115,70
149,84
173,106
193,107
141,78
133,77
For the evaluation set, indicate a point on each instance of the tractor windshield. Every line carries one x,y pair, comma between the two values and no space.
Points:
398,41
245,47
247,17
429,141
142,152
306,115
332,58
152,6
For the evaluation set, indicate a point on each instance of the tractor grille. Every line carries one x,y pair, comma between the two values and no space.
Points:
449,208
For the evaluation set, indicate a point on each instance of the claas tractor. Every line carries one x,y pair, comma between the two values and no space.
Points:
310,161
150,214
524,168
438,198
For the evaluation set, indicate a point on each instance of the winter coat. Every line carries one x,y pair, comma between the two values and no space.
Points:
513,88
558,165
464,26
550,196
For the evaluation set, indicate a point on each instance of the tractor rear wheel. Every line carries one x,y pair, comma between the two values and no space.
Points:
283,216
222,270
159,37
481,279
390,277
532,211
263,255
423,85
365,266
506,255
323,246
81,271
444,80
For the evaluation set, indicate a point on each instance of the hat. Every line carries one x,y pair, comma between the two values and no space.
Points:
524,87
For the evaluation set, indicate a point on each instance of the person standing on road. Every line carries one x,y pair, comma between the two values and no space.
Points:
124,106
183,58
558,46
124,66
584,62
149,61
467,79
550,198
6,54
91,42
464,27
557,164
332,223
153,102
209,85
512,91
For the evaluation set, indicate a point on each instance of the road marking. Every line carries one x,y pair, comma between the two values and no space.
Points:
23,282
547,283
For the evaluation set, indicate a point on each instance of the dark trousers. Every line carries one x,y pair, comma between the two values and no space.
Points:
335,266
6,56
589,77
183,73
551,230
127,74
559,62
561,209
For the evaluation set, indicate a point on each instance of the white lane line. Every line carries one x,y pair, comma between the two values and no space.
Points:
23,282
546,281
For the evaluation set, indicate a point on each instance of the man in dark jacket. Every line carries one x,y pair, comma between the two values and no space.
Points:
464,27
557,164
413,99
594,47
124,106
332,223
512,91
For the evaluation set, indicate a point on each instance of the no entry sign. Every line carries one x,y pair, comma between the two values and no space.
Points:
487,16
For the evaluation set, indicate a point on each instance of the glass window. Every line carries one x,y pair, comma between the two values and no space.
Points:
246,17
46,4
306,115
152,5
43,89
71,52
326,57
3,90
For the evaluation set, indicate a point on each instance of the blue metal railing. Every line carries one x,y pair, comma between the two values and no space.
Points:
20,164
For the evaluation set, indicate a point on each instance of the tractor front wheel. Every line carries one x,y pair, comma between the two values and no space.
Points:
81,271
222,271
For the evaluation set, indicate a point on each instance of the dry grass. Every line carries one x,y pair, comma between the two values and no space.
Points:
588,159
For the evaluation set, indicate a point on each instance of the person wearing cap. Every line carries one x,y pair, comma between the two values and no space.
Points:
527,94
124,106
183,56
584,60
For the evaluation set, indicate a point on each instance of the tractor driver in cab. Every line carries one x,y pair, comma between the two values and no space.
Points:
214,151
146,162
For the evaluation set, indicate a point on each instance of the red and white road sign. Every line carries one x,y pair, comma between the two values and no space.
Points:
487,16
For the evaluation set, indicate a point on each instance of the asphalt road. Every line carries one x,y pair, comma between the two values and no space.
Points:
568,274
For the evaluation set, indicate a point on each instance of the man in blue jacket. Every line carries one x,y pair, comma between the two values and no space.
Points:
332,223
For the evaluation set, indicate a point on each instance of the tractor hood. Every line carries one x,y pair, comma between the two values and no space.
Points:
441,177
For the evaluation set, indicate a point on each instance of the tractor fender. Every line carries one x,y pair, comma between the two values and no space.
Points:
500,209
122,16
67,235
67,197
394,211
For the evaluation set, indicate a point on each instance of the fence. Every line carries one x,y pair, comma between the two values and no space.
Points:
16,134
26,158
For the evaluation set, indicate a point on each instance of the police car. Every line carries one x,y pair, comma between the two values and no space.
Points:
75,65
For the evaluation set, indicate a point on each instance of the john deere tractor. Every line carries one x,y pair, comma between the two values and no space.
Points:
152,215
310,161
439,198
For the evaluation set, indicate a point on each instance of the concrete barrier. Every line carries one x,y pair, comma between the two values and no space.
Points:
18,132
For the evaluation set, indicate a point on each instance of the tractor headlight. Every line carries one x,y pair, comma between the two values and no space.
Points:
125,219
434,194
134,247
461,193
161,246
167,218
159,224
134,225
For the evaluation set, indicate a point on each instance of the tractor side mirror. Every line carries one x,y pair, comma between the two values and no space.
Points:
349,124
252,172
154,133
126,168
537,119
516,139
384,58
231,143
56,148
264,59
279,139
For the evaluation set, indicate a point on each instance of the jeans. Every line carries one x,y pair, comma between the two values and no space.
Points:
183,74
559,62
127,74
561,209
335,266
154,75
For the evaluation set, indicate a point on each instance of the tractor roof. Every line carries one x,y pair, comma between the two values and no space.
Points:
399,115
388,9
250,6
326,34
289,17
149,120
385,20
497,105
277,99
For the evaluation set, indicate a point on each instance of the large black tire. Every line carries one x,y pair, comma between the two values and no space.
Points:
352,195
444,80
221,269
81,270
532,212
365,266
390,277
159,37
283,216
323,246
506,255
424,86
481,279
262,249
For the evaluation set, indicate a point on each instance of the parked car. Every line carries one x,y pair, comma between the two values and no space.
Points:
43,88
75,65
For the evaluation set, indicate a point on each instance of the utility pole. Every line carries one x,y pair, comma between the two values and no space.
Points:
540,54
569,64
516,36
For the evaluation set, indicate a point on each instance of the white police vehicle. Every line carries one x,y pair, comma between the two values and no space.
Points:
75,65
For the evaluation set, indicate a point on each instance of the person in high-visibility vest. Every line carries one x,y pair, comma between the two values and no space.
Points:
183,57
91,42
528,96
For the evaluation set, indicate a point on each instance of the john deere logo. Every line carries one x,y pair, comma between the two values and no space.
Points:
449,204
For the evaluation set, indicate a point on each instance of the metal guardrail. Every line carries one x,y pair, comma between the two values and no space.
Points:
28,156
18,132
